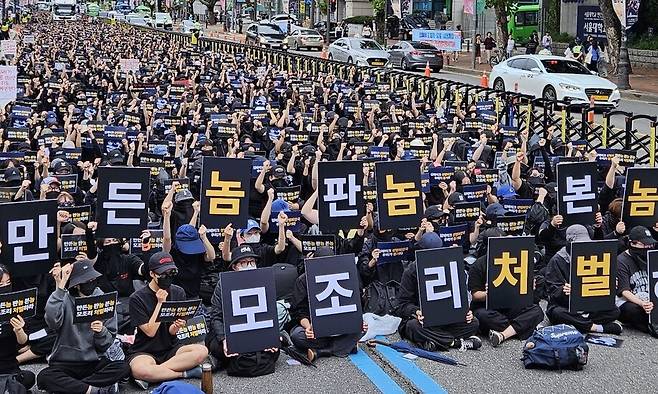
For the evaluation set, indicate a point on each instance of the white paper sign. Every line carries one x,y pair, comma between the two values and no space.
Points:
129,65
8,47
8,75
28,39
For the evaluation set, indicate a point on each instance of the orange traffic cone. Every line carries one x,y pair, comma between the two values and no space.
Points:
484,80
590,113
427,69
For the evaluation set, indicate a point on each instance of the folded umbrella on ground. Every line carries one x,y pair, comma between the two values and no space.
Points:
404,347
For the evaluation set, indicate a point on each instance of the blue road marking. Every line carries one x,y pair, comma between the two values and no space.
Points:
411,372
375,373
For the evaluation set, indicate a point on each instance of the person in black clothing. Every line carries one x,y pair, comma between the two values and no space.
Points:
633,280
243,258
156,355
558,289
302,335
369,270
457,335
500,324
252,235
9,343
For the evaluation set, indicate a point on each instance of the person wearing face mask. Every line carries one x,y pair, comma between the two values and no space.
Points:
267,254
260,363
558,289
50,188
78,363
633,281
156,356
9,343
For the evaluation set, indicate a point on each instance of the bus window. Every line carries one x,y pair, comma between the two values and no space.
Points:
527,18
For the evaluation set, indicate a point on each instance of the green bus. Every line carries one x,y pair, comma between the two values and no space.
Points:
93,9
523,21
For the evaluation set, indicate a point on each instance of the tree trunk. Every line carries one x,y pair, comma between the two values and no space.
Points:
210,5
379,23
501,24
613,32
552,16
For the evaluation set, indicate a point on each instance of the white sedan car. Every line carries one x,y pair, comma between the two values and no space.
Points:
553,78
358,51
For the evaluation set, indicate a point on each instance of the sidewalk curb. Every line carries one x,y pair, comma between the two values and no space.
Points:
465,71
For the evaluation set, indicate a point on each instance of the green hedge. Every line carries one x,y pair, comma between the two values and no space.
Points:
644,43
359,20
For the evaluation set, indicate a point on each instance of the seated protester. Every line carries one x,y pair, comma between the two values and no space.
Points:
501,324
558,289
78,363
9,343
633,280
457,335
156,356
249,364
251,235
369,270
302,335
191,252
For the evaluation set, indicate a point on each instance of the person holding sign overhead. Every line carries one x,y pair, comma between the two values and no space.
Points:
559,289
156,356
78,363
9,343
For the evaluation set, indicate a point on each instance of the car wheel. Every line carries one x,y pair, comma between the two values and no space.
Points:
499,85
404,64
549,94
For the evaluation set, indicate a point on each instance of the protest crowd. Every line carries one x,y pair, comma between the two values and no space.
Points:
164,207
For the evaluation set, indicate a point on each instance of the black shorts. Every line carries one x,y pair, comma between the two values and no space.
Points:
158,357
43,346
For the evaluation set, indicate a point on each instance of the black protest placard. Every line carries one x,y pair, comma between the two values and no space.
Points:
640,197
68,183
147,246
175,310
7,193
512,224
487,176
288,194
340,196
399,198
442,286
194,331
441,174
28,236
249,307
626,157
390,252
183,183
23,303
293,221
123,194
652,270
577,191
510,272
311,243
593,276
518,206
225,186
73,245
453,235
152,161
97,307
475,192
80,213
466,211
334,295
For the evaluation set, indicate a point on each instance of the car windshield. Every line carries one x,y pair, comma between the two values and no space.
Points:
557,66
369,44
269,29
422,45
308,32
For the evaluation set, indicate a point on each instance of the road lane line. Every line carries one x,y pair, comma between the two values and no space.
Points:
375,373
410,371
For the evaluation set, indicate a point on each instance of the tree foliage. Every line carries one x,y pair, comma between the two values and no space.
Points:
210,5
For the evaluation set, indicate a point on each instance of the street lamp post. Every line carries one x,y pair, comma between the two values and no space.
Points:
622,75
328,19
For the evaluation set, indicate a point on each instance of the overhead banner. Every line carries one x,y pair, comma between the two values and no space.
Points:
28,237
175,310
249,306
593,276
399,198
340,195
225,186
92,308
589,22
23,303
577,190
442,286
443,40
123,194
652,270
640,198
510,272
334,295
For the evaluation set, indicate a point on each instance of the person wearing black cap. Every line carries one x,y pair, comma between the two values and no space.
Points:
115,157
302,335
633,280
78,363
243,258
156,355
458,335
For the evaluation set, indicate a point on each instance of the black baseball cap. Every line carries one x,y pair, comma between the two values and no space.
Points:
12,174
278,172
115,157
641,234
242,252
161,262
456,197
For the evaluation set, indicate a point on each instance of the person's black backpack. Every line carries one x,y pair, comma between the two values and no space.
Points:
9,385
555,347
252,364
379,298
